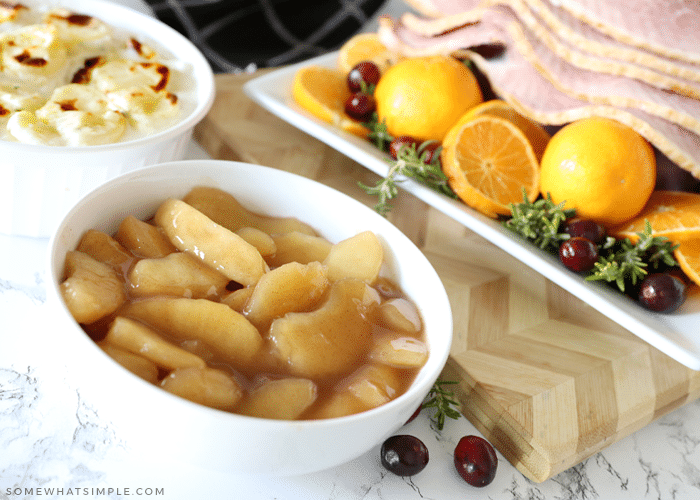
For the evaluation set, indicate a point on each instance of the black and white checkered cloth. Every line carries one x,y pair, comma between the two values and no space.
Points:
236,35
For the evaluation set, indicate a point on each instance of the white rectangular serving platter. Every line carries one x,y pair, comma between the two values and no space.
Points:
676,334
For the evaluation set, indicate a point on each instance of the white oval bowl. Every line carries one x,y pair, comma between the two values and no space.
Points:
38,184
150,418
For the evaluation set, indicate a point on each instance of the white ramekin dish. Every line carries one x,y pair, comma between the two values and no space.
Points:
38,184
165,425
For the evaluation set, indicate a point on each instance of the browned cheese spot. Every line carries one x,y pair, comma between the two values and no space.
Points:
84,74
26,59
68,105
75,19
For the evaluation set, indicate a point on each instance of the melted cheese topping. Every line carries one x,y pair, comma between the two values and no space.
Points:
68,79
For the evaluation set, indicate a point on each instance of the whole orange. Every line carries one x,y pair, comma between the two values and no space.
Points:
424,96
602,168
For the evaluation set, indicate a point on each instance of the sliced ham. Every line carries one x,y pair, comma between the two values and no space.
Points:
577,33
500,24
600,87
665,27
520,83
580,44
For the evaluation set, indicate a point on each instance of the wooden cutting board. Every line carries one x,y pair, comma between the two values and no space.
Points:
546,378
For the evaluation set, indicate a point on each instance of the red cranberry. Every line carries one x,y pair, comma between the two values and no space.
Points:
427,152
399,142
360,106
476,460
404,455
662,292
586,229
578,254
415,414
363,72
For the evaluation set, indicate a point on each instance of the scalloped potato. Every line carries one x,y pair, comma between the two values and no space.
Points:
69,79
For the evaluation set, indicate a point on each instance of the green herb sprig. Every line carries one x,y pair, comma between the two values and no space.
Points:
378,133
443,402
539,221
621,262
624,262
410,162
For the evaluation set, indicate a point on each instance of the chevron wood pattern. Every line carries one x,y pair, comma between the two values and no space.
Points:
545,377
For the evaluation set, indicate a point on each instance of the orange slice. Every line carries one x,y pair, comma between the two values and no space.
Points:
322,92
365,47
688,256
535,133
488,162
673,214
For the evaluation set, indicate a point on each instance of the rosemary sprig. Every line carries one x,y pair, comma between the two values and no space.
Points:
378,133
442,400
627,262
621,262
539,221
410,162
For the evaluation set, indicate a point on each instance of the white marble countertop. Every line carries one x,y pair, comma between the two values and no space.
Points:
54,444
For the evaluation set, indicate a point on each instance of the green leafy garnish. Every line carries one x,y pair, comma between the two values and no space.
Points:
442,400
410,162
378,133
539,221
626,262
621,262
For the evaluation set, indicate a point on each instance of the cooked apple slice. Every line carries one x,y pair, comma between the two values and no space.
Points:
283,399
206,386
178,274
104,248
340,404
359,256
400,351
331,339
138,365
139,339
237,299
292,287
298,247
92,289
224,209
399,314
228,333
192,231
259,239
375,385
143,239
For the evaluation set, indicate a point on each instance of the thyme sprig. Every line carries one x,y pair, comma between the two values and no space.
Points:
539,221
624,262
442,400
410,162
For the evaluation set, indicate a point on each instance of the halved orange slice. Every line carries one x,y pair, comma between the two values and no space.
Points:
365,47
488,162
322,92
673,214
688,256
535,133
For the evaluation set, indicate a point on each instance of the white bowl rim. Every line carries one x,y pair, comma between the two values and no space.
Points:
221,415
142,23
